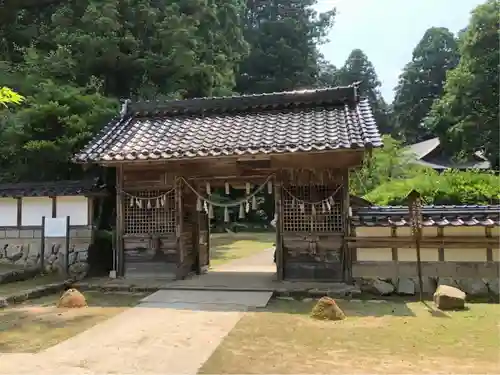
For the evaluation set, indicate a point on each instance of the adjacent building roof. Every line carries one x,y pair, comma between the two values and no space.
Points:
52,188
421,153
308,120
467,215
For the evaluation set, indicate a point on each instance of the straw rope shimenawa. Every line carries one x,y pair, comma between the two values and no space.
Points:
206,203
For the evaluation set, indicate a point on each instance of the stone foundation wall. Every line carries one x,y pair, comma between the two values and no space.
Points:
21,248
407,286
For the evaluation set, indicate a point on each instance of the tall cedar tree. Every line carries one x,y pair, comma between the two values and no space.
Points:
284,36
74,59
466,117
422,82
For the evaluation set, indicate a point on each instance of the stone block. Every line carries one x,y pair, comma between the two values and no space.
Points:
473,287
37,233
80,233
376,286
11,233
26,233
405,286
429,285
2,233
446,281
493,285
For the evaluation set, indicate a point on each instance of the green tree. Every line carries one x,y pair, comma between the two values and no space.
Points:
466,116
73,60
422,82
37,140
283,36
138,48
358,68
386,164
450,187
8,96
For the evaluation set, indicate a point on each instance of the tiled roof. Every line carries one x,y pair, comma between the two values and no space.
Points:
309,120
468,215
51,188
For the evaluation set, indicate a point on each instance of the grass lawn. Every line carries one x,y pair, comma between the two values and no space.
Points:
37,324
10,288
9,267
377,337
226,247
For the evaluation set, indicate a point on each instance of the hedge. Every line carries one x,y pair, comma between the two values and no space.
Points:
448,188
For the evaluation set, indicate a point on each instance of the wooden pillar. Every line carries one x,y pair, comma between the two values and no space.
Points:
120,222
280,254
179,216
346,256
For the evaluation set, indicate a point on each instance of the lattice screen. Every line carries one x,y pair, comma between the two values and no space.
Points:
144,220
294,220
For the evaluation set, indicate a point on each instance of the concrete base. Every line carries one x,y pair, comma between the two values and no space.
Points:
246,299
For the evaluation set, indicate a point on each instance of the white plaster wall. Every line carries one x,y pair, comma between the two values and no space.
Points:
426,231
373,232
374,254
8,212
34,208
465,255
74,207
463,231
410,255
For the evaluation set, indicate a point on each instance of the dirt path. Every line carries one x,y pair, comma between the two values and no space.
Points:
260,262
166,334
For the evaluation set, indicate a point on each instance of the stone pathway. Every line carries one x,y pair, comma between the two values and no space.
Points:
170,332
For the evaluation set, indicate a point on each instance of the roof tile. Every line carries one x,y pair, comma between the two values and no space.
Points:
52,188
310,120
467,215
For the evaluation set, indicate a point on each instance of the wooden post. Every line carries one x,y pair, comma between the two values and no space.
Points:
120,256
346,257
66,245
179,216
42,247
415,209
280,256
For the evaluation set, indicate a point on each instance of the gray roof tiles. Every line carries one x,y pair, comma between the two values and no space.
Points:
309,120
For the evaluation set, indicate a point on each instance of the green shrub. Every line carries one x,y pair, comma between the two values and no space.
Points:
450,187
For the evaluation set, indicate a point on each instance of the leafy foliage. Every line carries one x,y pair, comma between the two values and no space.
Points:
386,164
422,82
283,36
74,60
450,187
388,177
8,96
466,116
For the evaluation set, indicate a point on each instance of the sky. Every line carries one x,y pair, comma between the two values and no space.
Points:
388,30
